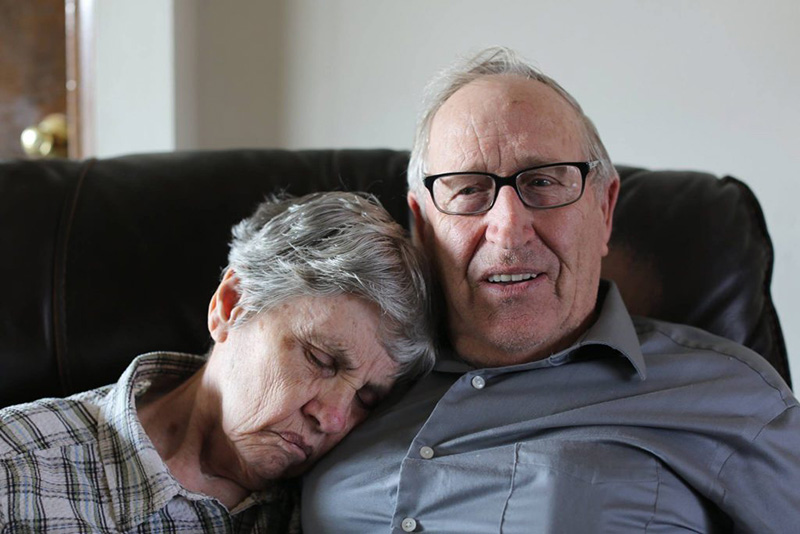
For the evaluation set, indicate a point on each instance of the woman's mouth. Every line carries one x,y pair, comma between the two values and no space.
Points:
297,443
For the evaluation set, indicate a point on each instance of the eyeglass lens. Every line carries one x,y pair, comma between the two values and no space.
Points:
538,188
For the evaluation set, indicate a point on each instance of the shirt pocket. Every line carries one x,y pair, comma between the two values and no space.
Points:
576,487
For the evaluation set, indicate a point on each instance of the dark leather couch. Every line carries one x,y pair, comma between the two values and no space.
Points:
104,260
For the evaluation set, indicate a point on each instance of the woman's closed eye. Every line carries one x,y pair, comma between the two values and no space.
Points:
368,398
322,361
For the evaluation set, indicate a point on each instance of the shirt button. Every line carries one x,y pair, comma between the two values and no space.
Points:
409,524
426,452
478,382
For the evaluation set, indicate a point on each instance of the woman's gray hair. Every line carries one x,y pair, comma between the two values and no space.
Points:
328,244
493,61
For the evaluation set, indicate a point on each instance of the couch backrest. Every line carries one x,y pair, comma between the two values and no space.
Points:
104,260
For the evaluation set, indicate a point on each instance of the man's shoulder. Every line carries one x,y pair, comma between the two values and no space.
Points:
50,423
686,336
706,356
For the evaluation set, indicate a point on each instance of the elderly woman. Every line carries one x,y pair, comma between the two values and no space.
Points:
322,307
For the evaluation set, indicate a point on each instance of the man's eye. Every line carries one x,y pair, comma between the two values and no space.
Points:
468,191
461,186
540,182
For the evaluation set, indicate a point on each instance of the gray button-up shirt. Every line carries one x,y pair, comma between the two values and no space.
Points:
641,426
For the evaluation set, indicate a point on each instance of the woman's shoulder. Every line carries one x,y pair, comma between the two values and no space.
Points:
50,423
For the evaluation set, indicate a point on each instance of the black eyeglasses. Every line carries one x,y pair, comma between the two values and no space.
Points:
542,187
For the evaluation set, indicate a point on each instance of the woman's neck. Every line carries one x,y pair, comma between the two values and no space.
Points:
182,423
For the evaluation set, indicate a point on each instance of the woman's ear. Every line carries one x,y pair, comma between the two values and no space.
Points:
224,308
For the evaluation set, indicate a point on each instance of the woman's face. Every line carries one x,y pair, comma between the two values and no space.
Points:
292,383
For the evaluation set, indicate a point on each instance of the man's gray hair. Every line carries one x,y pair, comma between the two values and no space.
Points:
328,244
492,61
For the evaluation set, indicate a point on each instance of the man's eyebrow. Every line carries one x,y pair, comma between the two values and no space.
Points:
536,161
527,163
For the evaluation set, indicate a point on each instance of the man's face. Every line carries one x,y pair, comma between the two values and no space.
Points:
292,383
502,124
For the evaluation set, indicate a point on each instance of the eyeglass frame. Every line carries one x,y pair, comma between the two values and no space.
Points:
585,167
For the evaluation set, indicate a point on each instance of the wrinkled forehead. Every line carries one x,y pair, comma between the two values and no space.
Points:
501,124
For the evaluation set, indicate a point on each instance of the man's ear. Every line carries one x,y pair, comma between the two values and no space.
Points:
223,310
420,224
608,203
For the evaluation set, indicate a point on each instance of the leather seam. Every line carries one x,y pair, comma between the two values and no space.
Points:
60,280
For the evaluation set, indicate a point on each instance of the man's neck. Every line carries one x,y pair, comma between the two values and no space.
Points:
489,355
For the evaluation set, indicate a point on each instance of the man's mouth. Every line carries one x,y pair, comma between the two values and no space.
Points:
506,278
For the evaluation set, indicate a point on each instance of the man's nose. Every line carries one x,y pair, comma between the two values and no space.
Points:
330,409
509,222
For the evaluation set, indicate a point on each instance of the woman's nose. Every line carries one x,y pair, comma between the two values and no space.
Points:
330,410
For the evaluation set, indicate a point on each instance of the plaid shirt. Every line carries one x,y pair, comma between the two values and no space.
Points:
84,464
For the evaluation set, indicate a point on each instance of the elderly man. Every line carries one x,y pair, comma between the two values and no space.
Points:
551,409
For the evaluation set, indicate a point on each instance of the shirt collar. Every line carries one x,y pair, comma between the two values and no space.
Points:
139,480
613,328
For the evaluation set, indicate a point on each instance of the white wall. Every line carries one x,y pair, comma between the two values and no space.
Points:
706,85
134,77
228,75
